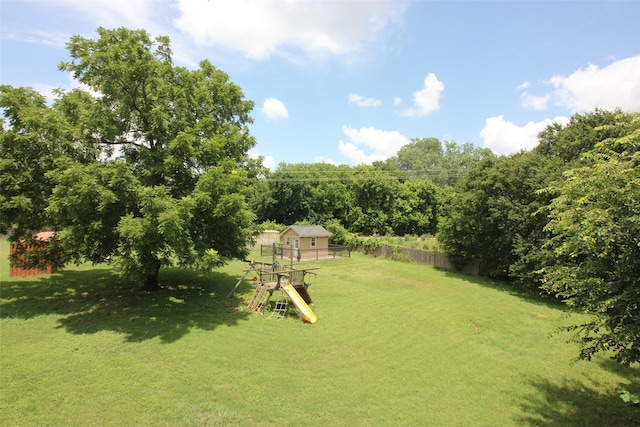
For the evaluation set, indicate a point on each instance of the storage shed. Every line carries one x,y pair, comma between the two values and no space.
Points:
305,242
21,250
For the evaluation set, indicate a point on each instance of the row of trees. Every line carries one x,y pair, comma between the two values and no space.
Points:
366,199
151,168
400,196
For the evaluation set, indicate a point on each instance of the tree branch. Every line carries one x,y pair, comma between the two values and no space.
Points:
136,144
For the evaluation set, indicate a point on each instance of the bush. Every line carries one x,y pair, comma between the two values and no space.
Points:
340,235
370,244
270,225
398,255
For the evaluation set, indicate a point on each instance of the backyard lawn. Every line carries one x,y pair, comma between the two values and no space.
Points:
394,344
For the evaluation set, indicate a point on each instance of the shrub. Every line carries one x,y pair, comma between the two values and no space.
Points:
340,235
270,225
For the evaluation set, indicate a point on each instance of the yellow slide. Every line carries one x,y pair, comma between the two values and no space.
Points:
296,299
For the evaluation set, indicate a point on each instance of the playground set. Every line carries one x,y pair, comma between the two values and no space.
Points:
284,284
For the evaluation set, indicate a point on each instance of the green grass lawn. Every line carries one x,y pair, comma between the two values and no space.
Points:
395,344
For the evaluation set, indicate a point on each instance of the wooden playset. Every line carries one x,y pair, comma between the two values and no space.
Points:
288,284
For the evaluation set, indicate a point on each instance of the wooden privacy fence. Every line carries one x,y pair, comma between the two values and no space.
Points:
420,256
267,237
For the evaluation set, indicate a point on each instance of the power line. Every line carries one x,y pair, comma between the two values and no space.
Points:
362,178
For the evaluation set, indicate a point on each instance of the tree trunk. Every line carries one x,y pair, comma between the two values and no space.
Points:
151,279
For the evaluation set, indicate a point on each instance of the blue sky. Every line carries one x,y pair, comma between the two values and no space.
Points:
351,82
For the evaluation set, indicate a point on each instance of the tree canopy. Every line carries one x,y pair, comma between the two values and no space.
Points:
494,213
148,167
493,210
595,220
443,162
366,199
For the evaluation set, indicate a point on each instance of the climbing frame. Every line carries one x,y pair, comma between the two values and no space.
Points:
270,278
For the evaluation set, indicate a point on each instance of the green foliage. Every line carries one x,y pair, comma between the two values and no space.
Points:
36,142
491,208
270,225
424,242
415,209
370,244
628,397
340,235
89,201
177,195
304,192
372,191
399,196
567,143
157,235
595,219
444,163
373,199
496,212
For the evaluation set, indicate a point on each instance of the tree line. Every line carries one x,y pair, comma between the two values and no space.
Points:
150,168
400,196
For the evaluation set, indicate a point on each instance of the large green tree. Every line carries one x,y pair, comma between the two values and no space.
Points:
167,171
373,190
493,211
415,209
595,219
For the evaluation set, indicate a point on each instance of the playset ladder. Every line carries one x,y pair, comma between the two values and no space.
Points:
280,306
260,297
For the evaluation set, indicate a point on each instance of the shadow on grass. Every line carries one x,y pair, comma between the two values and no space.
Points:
572,403
100,300
510,288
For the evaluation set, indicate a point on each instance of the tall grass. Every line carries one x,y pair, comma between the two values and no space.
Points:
395,344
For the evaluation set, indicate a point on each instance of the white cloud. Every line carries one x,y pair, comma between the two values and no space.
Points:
524,85
361,101
534,102
274,109
114,13
397,101
85,16
381,144
427,99
616,85
46,90
320,159
267,161
504,137
55,39
259,29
